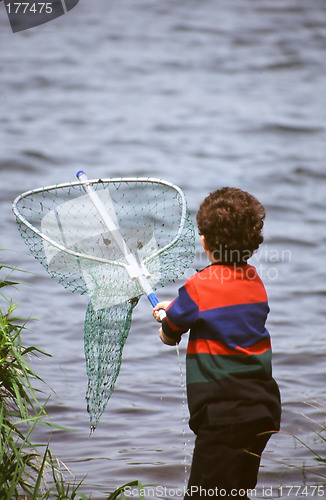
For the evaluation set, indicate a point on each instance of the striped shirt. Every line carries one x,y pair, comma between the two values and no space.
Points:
228,361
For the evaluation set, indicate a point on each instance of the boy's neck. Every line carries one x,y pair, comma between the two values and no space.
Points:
228,260
211,258
221,262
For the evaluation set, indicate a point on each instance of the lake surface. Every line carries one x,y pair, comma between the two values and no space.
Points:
202,94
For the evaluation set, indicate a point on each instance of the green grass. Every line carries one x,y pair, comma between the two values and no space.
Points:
24,465
321,433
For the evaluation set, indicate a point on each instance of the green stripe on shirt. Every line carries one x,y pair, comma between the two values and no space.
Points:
201,366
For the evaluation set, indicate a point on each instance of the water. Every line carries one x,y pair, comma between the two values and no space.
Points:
202,94
185,414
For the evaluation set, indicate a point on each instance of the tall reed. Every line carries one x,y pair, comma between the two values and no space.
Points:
22,463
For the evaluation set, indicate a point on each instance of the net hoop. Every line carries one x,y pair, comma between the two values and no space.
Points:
149,180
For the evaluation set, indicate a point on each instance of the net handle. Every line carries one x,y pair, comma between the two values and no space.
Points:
134,269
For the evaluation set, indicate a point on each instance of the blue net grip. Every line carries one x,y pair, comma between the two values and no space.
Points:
153,299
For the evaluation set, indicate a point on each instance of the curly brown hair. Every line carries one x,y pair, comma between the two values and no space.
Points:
231,220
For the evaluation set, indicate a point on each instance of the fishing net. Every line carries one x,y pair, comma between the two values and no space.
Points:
64,231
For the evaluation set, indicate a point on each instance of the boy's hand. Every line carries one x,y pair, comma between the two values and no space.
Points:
161,305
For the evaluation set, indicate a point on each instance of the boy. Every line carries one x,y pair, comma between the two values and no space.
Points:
234,402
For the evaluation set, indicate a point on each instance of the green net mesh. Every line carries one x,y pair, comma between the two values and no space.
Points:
64,232
105,337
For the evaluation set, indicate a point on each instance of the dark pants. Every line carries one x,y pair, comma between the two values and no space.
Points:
226,458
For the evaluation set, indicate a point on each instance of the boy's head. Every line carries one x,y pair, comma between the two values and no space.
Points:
230,222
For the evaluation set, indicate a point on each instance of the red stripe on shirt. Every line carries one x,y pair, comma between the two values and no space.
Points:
231,285
203,346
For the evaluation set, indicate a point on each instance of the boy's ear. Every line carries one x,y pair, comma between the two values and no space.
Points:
203,242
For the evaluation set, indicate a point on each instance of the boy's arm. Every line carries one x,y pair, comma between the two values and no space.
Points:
181,314
165,339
